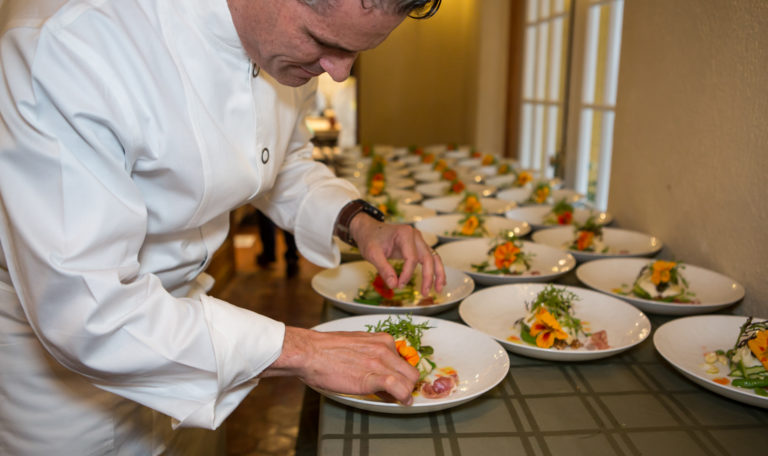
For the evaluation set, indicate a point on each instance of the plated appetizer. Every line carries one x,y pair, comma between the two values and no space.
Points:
470,204
375,181
471,225
561,214
588,237
377,293
434,382
540,194
389,207
550,323
506,258
663,281
746,361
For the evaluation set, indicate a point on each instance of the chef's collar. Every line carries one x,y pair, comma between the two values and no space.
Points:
213,18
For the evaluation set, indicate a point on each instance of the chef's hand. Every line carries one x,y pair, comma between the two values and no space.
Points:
378,241
345,362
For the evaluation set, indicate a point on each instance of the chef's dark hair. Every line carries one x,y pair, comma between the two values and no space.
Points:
416,9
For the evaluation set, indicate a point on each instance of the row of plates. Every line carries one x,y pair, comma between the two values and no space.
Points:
477,351
712,290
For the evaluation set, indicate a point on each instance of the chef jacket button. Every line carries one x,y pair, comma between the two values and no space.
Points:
264,155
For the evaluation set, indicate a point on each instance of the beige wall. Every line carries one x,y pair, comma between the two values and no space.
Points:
422,85
691,142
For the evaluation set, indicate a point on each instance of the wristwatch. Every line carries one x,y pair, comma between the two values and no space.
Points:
348,212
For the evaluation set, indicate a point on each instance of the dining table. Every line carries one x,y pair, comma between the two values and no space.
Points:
633,403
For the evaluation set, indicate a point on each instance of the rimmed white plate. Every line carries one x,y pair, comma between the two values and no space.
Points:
420,168
684,342
412,213
435,189
409,160
547,263
340,285
442,225
449,204
401,182
495,310
520,195
401,195
620,243
480,362
713,290
535,215
427,176
349,253
502,181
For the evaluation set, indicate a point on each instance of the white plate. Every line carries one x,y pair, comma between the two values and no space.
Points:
400,183
547,263
520,195
502,181
341,284
480,362
495,310
401,195
443,224
620,243
713,290
684,342
427,176
409,160
456,154
448,204
435,189
412,213
349,253
420,168
535,215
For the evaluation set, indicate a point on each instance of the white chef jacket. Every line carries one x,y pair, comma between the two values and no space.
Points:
129,129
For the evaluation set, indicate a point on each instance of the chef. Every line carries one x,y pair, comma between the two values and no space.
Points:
129,129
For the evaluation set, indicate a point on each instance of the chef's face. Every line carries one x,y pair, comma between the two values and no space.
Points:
295,42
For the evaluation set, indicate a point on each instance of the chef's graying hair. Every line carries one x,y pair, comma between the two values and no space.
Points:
416,9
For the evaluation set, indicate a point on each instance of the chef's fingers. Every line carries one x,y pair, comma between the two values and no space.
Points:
376,256
436,272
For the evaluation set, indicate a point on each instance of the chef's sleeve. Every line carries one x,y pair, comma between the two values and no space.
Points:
72,223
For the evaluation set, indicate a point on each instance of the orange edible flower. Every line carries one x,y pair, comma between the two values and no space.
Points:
407,352
503,169
541,195
488,160
449,175
662,271
457,186
440,165
472,205
470,226
584,241
759,346
377,184
523,178
383,208
476,154
505,255
428,158
546,329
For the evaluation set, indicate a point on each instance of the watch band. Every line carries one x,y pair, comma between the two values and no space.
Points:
348,212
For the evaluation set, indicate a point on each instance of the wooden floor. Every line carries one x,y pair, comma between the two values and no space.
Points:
267,421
